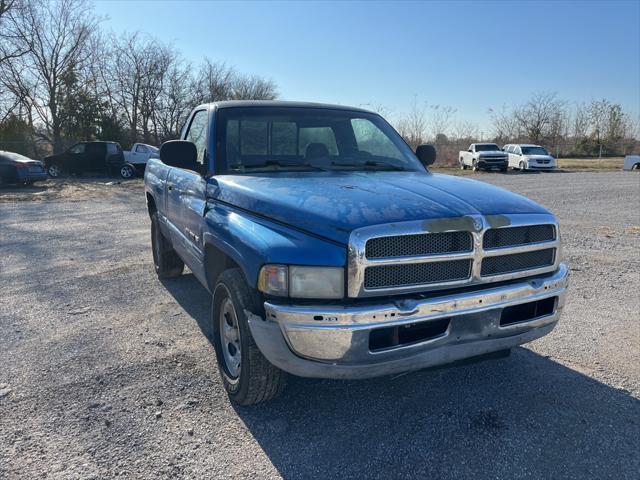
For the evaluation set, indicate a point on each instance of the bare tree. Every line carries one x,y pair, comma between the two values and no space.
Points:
441,119
54,36
413,126
136,77
253,87
580,121
465,131
174,103
539,116
217,81
505,124
11,12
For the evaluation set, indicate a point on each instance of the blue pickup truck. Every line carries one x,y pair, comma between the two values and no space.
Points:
331,251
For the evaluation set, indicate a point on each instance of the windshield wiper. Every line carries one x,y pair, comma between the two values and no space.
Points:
370,165
279,166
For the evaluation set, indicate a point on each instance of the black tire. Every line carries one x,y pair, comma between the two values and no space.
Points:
54,170
474,166
252,379
522,167
166,261
462,165
127,171
636,167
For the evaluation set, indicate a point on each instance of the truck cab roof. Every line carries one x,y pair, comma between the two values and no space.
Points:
278,104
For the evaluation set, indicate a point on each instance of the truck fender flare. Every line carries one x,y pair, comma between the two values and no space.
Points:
233,256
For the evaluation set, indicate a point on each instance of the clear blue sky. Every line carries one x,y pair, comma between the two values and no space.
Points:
469,55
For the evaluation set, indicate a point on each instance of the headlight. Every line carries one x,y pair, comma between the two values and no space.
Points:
302,282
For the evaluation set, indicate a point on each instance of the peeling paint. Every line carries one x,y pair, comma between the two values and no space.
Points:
465,223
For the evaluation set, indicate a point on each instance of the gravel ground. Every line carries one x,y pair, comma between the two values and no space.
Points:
105,371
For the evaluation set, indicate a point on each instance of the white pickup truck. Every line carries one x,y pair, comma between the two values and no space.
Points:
139,154
486,156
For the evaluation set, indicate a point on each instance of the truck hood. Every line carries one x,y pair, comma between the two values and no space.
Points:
332,204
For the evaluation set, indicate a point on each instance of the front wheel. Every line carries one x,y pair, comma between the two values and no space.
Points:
166,261
247,376
523,167
475,166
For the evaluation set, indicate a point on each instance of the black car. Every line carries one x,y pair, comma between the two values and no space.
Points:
16,168
105,157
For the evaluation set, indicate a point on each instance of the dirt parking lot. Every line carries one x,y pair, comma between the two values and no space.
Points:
105,372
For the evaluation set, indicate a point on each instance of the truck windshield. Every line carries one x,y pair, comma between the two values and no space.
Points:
534,151
254,139
487,147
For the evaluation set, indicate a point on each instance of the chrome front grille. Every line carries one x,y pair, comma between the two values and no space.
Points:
410,257
517,262
512,236
420,244
402,275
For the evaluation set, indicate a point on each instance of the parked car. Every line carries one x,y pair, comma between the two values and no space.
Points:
139,154
529,157
18,169
631,162
95,157
331,251
486,156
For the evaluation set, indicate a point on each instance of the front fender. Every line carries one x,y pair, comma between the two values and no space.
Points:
252,241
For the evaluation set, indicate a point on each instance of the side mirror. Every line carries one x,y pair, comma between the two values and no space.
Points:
180,154
426,154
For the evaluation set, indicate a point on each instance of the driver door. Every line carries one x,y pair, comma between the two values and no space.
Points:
76,158
186,192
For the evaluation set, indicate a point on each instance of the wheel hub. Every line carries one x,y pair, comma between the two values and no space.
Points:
230,337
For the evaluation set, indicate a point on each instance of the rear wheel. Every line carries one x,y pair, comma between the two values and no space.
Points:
166,261
54,170
247,376
126,171
636,167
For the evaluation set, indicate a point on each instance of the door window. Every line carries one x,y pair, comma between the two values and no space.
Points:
79,148
142,149
197,133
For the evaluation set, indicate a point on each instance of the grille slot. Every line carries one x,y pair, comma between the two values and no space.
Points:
517,262
513,236
419,244
385,276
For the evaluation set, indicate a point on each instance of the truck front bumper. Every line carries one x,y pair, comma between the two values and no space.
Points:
407,334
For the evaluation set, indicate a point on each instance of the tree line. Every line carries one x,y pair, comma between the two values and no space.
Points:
588,129
63,78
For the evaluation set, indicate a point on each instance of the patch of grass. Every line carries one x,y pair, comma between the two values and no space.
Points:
614,163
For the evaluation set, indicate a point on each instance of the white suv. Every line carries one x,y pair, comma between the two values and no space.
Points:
529,157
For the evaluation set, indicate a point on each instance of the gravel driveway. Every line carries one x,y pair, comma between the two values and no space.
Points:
105,372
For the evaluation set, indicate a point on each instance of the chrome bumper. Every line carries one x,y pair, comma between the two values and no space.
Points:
333,341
